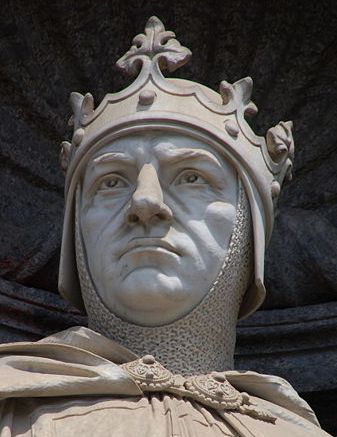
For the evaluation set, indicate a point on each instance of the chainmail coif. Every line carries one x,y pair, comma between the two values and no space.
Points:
204,339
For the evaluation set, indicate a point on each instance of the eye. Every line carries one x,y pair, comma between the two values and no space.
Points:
112,182
190,177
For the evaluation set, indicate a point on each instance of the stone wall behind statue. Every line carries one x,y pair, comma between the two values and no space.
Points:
48,49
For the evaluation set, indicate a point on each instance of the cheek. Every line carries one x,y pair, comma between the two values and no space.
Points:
220,218
192,204
100,210
95,217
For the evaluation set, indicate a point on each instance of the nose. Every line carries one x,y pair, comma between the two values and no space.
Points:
147,204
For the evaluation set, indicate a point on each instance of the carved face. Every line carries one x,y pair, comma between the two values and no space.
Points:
156,215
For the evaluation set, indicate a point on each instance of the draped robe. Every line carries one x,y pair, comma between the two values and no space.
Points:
71,384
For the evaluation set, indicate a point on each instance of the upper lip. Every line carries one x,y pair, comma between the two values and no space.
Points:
148,242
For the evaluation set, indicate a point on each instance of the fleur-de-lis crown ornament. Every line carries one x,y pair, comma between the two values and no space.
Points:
154,102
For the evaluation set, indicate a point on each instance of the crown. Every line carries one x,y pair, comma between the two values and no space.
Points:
152,101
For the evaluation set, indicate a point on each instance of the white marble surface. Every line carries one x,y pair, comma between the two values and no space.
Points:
157,212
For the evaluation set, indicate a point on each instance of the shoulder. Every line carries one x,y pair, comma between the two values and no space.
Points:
278,397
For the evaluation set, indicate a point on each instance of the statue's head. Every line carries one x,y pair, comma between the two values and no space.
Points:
153,181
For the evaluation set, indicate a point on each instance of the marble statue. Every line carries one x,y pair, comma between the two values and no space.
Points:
170,201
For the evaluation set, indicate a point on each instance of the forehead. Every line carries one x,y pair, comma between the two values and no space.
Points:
160,145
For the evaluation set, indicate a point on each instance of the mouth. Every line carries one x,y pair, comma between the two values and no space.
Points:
149,244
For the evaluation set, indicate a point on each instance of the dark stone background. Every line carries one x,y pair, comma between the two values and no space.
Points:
48,49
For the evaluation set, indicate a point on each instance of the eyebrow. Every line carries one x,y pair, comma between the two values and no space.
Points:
113,157
172,155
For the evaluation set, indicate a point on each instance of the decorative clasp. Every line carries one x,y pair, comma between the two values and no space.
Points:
149,374
212,390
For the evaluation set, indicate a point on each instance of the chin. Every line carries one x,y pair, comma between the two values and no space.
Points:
150,298
148,286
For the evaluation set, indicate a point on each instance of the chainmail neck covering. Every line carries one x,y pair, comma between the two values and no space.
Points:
204,339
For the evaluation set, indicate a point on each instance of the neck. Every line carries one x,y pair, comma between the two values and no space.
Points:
203,340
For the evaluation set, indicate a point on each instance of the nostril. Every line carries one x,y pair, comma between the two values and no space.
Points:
133,218
162,216
165,213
